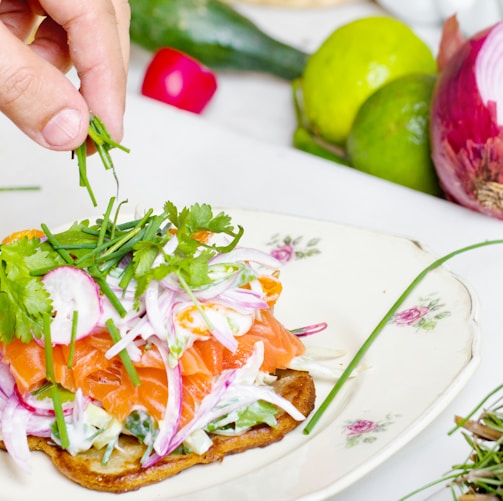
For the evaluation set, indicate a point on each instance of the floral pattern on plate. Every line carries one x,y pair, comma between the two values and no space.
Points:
422,316
287,248
365,431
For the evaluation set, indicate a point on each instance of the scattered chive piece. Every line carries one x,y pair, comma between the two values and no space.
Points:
120,243
20,188
126,360
49,374
60,417
49,364
127,276
75,322
110,294
54,242
380,326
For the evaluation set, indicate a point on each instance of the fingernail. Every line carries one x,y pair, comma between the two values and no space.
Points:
63,127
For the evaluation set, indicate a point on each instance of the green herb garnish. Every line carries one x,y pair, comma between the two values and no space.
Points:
75,324
103,142
60,423
481,475
20,188
144,428
101,249
23,299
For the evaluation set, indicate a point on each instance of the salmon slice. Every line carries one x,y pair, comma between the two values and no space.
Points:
106,380
280,345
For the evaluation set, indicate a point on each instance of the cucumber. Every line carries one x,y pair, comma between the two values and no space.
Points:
213,33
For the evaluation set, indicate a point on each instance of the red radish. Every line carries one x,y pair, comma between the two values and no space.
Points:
72,289
177,79
467,120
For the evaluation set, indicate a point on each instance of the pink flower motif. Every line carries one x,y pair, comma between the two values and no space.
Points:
410,316
361,426
284,253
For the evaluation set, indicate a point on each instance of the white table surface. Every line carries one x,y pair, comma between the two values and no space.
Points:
252,166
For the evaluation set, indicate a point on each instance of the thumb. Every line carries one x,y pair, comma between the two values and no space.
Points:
38,97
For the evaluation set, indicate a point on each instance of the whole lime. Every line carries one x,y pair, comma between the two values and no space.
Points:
353,62
390,134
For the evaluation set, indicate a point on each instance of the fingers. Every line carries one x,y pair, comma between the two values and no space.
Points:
98,40
38,98
34,93
18,17
123,16
50,43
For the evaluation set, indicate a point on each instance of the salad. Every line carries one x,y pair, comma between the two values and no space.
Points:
161,328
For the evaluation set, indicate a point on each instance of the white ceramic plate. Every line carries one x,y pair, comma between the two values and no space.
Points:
347,277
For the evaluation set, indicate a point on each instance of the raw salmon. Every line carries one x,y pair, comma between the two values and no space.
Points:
106,380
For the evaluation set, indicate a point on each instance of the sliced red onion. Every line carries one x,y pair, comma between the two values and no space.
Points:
7,381
245,254
72,289
201,417
242,395
171,418
309,329
233,389
154,313
243,299
44,407
466,123
14,423
129,332
39,426
216,289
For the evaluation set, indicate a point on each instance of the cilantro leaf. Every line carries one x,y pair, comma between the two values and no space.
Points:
23,299
190,259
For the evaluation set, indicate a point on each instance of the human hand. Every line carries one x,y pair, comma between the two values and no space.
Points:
93,36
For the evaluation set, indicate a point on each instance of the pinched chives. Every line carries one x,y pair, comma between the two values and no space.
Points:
103,142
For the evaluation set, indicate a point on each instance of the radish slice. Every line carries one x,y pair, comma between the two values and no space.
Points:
72,289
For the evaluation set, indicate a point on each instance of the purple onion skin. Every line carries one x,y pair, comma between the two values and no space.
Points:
466,141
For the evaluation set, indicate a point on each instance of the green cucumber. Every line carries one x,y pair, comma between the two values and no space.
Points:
213,33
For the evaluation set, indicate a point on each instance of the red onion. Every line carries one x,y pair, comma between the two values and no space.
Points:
467,119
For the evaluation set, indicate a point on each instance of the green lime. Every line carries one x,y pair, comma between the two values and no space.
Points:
353,62
390,134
